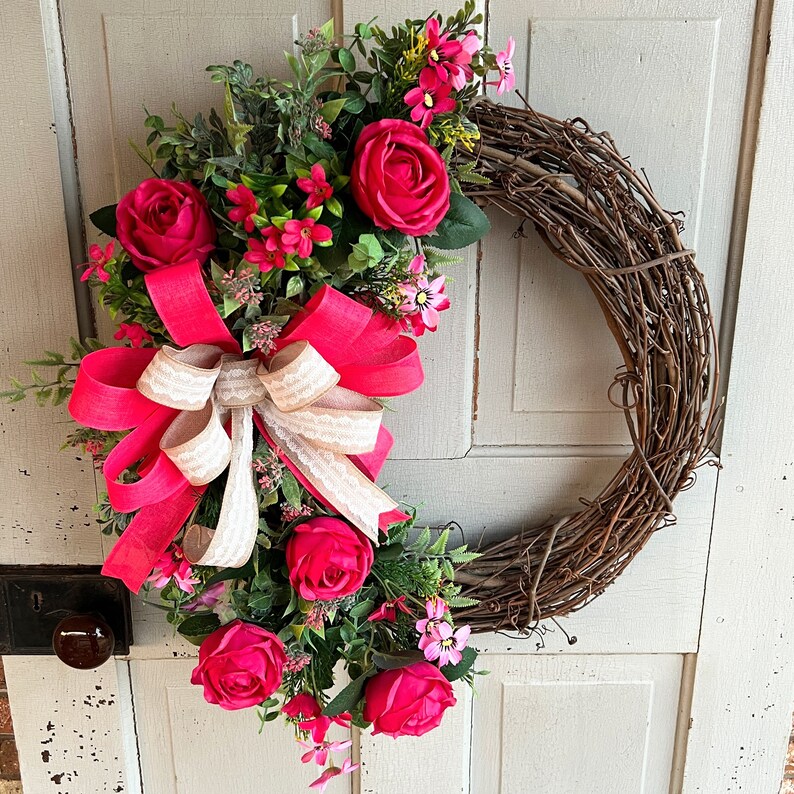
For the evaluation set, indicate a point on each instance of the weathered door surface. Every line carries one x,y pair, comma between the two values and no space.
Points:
512,425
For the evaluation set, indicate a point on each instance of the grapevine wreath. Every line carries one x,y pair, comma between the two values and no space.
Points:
270,281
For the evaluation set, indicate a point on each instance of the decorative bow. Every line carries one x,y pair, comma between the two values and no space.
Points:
310,401
295,394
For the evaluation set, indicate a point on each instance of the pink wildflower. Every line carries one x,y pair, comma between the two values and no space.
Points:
303,705
417,265
429,98
333,771
504,62
319,752
318,726
209,598
435,609
446,645
299,236
317,187
135,332
247,206
99,260
450,58
173,565
264,254
423,302
388,610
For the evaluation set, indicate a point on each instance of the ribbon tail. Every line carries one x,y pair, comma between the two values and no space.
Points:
238,524
332,475
146,538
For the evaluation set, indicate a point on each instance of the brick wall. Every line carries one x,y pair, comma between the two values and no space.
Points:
787,786
9,761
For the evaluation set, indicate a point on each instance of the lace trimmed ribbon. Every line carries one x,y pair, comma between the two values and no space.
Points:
315,421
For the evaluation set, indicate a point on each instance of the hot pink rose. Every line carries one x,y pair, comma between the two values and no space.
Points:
408,701
327,559
398,179
163,222
240,665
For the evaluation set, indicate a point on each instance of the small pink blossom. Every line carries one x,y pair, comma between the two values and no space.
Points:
173,565
450,58
504,62
290,513
94,448
435,609
446,645
135,332
242,286
333,771
263,336
303,706
296,661
210,598
417,265
388,610
247,206
423,302
261,253
99,260
317,187
319,752
429,98
299,236
318,726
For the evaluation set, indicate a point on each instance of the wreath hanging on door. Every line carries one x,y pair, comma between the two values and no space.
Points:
272,278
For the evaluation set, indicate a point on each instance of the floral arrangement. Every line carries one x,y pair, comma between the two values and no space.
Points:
270,281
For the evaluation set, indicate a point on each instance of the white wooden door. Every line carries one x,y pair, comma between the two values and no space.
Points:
512,425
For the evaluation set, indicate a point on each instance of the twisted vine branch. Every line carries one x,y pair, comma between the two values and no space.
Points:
599,216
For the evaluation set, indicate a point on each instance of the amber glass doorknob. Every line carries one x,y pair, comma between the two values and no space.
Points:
83,641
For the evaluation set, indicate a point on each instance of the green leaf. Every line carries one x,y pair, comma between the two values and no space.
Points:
294,65
362,609
197,628
355,102
236,132
261,601
391,552
459,602
291,489
327,30
105,219
331,109
421,542
347,699
392,661
464,224
224,574
294,286
334,206
452,672
346,60
440,546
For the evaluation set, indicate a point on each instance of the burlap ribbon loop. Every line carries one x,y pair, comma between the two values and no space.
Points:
316,422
